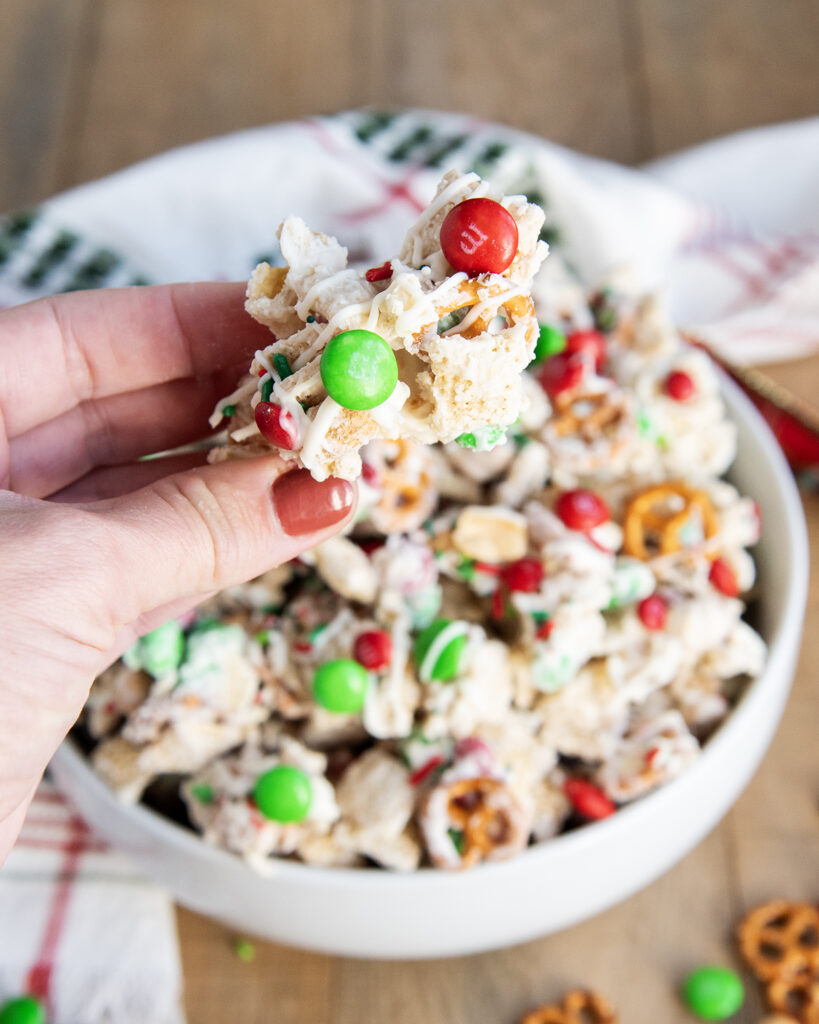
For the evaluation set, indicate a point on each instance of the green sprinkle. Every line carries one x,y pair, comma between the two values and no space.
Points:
450,320
457,838
466,569
203,792
205,625
540,617
645,427
245,950
262,637
483,439
311,319
228,411
282,366
267,389
272,609
316,632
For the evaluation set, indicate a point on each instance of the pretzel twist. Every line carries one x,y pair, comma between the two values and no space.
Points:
648,515
780,940
576,1007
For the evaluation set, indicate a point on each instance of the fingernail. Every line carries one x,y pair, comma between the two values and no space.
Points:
304,505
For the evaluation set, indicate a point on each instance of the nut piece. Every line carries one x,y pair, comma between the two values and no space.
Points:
491,533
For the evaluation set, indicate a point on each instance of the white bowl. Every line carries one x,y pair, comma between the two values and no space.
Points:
371,913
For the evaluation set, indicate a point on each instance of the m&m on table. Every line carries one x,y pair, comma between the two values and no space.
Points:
284,794
340,686
277,425
358,369
22,1010
479,236
713,993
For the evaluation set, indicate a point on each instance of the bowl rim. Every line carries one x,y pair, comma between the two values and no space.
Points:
779,644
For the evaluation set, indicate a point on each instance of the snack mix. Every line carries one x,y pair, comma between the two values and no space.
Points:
531,623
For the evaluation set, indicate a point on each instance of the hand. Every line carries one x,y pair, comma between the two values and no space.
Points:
90,382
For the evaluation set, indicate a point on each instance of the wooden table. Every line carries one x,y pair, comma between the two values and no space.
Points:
88,86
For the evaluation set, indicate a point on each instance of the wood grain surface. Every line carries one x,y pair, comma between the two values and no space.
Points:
88,86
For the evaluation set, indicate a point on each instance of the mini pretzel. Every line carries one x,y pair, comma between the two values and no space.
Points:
467,294
487,814
646,516
797,997
780,940
407,493
589,425
577,1007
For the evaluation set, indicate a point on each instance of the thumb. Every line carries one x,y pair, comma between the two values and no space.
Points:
214,527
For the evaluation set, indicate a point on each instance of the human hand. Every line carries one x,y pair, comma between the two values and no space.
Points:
96,547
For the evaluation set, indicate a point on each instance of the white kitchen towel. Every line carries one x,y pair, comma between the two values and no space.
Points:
81,930
730,230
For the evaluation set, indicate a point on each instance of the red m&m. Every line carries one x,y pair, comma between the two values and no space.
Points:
592,342
479,236
562,372
723,578
277,425
680,386
524,576
653,612
373,649
582,510
587,799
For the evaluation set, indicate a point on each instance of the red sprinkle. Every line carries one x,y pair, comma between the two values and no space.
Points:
582,510
370,474
562,372
588,799
498,603
373,649
680,386
486,567
653,612
545,630
590,341
370,545
479,236
425,770
302,648
525,575
277,425
651,755
381,273
723,578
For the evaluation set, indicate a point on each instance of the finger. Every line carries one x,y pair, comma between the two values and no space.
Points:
113,481
114,430
67,349
212,528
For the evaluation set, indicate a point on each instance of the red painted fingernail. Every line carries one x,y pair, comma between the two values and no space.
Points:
304,505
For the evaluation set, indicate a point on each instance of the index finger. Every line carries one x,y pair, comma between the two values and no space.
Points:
58,352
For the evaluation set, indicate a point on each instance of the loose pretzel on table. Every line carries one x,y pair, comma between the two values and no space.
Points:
780,940
643,519
577,1007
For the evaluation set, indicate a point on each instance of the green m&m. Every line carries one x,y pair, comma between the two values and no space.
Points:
482,439
359,369
284,794
23,1010
158,652
341,686
550,342
713,993
439,649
